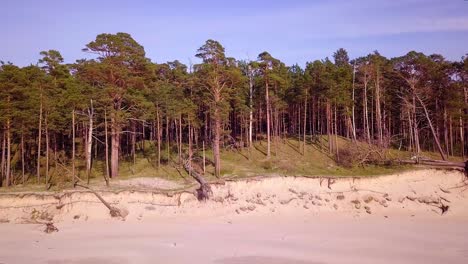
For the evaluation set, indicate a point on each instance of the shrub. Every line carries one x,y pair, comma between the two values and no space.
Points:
352,155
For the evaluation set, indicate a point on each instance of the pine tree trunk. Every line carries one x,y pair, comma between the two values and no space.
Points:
415,129
372,120
451,136
180,139
38,174
73,148
411,145
462,136
313,119
22,156
115,144
143,138
465,124
168,141
158,136
336,136
176,126
267,100
446,137
190,146
216,141
305,124
250,107
204,159
8,154
106,178
366,111
329,121
378,114
89,147
299,127
133,141
2,169
47,149
353,123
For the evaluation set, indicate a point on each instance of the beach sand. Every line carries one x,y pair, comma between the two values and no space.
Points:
275,220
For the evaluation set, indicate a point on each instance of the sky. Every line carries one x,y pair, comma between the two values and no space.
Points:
292,31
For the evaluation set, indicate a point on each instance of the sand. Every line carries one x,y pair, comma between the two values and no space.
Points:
388,219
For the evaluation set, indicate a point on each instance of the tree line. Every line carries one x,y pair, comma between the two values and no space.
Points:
108,108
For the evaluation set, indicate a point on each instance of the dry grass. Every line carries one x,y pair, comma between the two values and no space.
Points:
286,159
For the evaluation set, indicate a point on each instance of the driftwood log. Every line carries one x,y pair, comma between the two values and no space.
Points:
204,192
463,166
114,211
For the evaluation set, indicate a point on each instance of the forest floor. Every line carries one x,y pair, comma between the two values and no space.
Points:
288,159
408,217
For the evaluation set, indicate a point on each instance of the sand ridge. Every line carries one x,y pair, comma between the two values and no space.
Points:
421,192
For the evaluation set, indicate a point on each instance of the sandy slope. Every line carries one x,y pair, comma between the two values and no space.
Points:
389,219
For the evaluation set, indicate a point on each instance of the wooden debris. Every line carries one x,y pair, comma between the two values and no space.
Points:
444,208
443,190
50,228
287,201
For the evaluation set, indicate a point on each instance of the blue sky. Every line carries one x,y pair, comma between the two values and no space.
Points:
293,31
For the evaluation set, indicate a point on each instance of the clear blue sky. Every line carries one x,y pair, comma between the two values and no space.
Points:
293,31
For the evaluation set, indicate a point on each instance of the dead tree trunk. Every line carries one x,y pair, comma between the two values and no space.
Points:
436,138
89,141
204,192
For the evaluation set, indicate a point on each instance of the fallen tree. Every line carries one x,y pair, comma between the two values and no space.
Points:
114,211
462,166
204,192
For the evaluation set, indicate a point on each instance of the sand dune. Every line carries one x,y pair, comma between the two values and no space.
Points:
388,219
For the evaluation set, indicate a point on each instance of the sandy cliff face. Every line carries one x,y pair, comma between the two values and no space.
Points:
424,192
